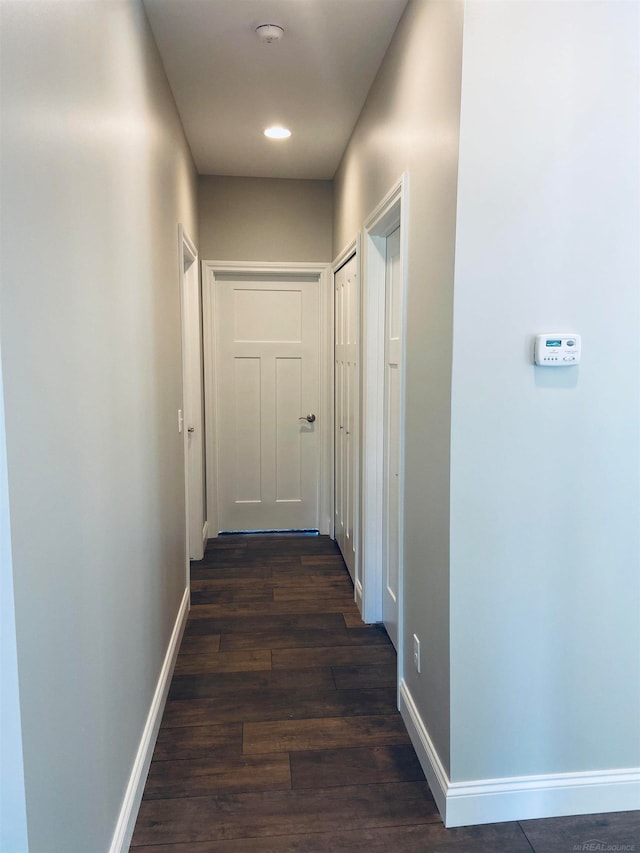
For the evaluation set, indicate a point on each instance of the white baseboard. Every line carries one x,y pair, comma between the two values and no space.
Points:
205,535
517,798
133,795
425,750
530,797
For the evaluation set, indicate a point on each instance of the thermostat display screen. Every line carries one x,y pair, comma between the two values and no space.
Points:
554,343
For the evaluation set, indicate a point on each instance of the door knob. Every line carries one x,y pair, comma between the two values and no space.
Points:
309,418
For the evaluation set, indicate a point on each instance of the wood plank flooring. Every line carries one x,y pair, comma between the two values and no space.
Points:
281,733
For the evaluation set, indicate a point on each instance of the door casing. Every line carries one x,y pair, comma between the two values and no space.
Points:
212,269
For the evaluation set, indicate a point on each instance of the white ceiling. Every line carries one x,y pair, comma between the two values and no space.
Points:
229,86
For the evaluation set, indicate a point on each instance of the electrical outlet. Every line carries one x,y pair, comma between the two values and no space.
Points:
416,652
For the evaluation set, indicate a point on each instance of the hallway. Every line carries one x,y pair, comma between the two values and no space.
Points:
281,731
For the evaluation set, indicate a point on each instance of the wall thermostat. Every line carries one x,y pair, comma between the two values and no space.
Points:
557,350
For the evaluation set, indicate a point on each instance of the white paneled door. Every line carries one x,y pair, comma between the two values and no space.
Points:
346,410
392,401
267,395
192,400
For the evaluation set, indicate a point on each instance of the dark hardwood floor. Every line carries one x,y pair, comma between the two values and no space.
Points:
281,733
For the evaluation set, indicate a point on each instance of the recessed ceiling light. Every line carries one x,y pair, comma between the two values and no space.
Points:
277,133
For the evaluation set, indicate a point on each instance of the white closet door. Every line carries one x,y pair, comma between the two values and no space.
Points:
339,507
192,375
267,373
346,410
392,387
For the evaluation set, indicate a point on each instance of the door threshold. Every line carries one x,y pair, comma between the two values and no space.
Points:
287,531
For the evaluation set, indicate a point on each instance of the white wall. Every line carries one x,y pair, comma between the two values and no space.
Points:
545,581
13,816
410,123
264,219
96,175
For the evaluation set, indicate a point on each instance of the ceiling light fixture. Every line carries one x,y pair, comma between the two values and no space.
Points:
268,33
277,133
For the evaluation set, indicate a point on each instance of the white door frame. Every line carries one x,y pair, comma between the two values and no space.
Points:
211,269
390,213
354,248
191,381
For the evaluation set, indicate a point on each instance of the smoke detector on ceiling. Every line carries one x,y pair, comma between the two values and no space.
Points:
268,33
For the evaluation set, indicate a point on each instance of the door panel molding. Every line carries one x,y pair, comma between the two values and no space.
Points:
212,270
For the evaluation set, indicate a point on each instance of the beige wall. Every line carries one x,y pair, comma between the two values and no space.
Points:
264,219
96,175
410,123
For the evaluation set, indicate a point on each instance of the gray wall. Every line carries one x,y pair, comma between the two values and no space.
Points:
545,550
264,219
410,122
96,175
